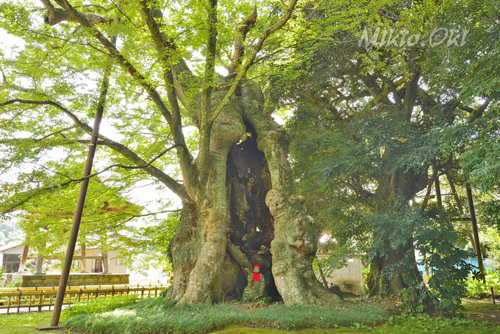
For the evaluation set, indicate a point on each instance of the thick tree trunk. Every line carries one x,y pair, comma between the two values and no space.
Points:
247,214
393,272
394,269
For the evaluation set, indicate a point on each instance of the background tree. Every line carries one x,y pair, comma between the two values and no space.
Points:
375,126
48,218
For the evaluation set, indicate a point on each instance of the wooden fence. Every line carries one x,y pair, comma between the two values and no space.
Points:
17,298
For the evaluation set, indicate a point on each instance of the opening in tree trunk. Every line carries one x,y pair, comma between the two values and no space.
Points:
251,229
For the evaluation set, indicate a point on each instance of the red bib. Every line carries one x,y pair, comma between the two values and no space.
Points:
256,276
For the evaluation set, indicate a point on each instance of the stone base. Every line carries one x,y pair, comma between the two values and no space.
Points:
48,327
45,280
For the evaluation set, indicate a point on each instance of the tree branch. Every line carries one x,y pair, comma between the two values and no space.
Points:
164,47
124,63
382,95
161,176
76,120
34,192
57,15
206,95
131,216
411,90
116,54
146,165
173,185
249,61
176,71
241,34
36,140
476,113
429,189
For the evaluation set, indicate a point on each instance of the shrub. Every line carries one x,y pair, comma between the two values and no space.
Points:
446,286
477,289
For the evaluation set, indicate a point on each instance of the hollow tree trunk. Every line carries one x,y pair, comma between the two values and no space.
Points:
246,214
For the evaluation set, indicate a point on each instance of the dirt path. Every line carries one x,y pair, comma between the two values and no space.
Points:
482,310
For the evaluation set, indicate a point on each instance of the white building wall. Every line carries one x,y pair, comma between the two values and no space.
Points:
348,278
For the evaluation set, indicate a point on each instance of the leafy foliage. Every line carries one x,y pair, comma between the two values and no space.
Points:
476,288
71,59
372,124
438,242
47,223
152,244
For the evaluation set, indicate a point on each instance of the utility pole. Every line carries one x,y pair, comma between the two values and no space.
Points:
476,237
80,204
83,192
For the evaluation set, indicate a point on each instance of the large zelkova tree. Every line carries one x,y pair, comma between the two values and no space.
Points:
380,119
151,66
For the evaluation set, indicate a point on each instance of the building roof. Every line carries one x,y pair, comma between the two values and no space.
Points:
10,246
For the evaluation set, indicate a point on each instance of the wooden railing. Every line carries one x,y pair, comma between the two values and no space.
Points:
17,298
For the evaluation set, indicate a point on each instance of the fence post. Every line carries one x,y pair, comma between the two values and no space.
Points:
19,301
40,301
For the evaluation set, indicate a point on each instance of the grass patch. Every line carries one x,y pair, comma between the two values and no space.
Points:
25,323
231,319
479,304
428,324
396,325
161,316
98,306
292,317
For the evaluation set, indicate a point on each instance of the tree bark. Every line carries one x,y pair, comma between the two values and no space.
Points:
388,277
39,265
248,214
396,268
83,252
24,258
104,252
